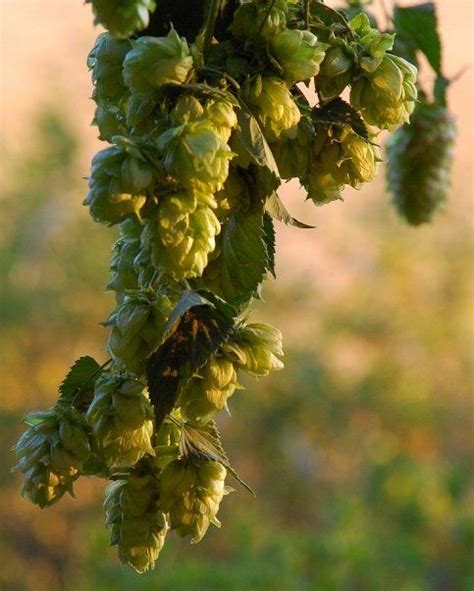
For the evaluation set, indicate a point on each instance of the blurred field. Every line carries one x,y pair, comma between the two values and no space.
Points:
360,451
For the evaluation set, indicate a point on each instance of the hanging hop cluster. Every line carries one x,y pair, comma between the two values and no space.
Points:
203,130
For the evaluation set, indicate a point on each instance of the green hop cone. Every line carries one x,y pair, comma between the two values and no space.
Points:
137,526
122,17
217,113
196,155
208,392
340,157
51,454
190,492
293,150
138,324
419,163
386,98
272,104
126,249
299,54
121,418
336,70
259,19
110,92
256,349
119,183
182,234
156,61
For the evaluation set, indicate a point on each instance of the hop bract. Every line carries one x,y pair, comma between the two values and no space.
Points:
256,349
123,17
119,183
121,418
272,104
181,234
259,19
340,157
156,61
299,54
208,392
386,98
136,524
419,163
191,492
51,454
138,325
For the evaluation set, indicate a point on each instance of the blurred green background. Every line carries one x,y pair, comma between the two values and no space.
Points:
360,450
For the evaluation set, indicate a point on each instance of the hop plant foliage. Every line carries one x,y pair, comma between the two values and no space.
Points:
204,124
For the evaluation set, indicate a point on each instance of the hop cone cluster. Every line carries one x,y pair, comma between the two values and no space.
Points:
51,454
419,163
204,121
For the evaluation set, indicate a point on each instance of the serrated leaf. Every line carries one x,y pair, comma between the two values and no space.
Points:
328,17
193,339
269,237
205,442
419,24
275,207
81,373
338,112
237,273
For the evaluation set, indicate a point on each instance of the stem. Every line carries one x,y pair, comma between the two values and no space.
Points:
209,26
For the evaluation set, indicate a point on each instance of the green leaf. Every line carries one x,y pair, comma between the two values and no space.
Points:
275,207
419,24
325,19
253,149
81,374
237,273
193,339
205,442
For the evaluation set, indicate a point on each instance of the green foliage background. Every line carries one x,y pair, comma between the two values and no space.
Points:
360,451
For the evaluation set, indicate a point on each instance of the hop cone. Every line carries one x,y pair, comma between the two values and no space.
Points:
181,235
137,325
122,17
156,61
196,155
340,157
336,70
119,182
126,249
51,454
299,54
208,392
136,524
191,491
272,104
121,418
256,349
293,150
419,161
218,114
259,19
386,97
